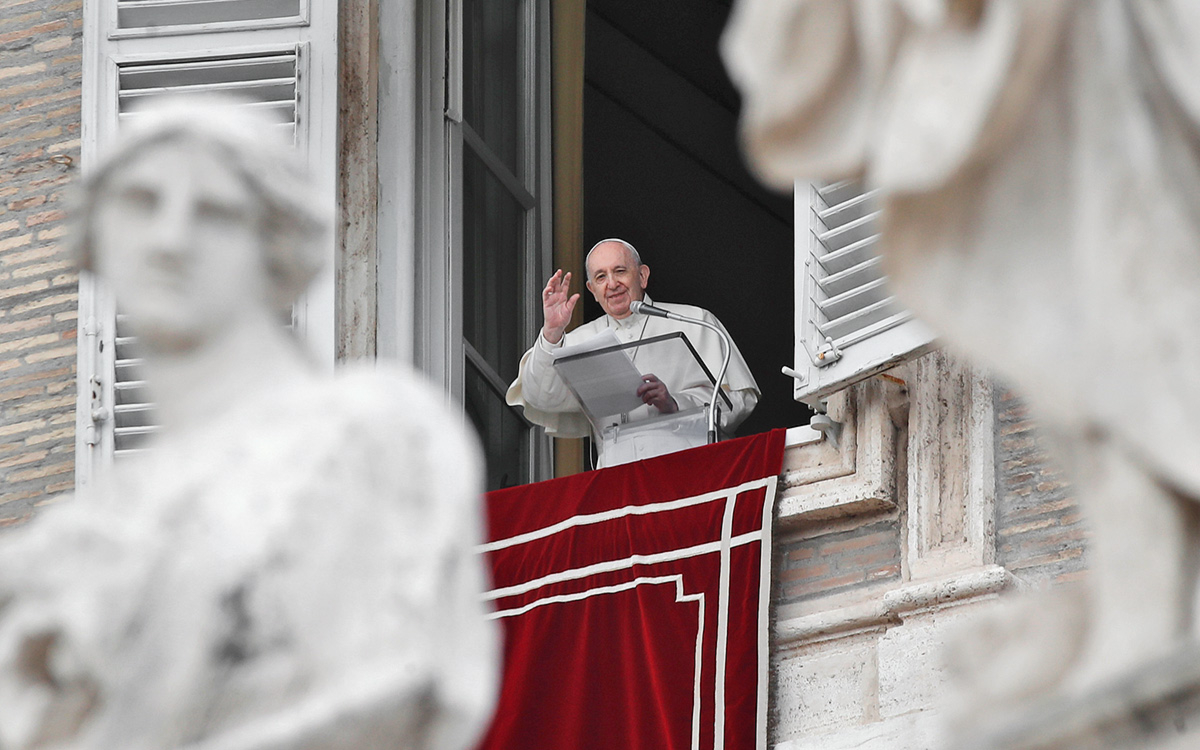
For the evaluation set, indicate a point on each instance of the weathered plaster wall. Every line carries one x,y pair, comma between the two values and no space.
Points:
40,70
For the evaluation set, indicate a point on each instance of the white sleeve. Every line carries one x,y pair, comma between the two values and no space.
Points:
542,395
744,400
541,385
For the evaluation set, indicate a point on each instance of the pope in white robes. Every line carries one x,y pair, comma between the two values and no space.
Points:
616,278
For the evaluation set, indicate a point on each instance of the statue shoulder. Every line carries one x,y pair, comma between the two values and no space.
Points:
402,415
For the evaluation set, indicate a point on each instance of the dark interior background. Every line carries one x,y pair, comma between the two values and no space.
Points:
662,170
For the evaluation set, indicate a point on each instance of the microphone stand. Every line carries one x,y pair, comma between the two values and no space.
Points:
647,309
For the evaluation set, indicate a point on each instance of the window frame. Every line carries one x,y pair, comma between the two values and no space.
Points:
438,345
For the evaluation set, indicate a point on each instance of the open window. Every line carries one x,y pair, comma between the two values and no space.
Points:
482,245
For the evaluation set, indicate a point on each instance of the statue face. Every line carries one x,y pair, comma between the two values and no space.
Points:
177,236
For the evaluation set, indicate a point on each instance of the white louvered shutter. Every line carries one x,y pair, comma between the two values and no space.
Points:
848,324
279,56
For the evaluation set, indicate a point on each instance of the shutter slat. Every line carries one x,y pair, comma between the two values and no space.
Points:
158,14
850,323
849,256
278,89
198,66
856,208
875,329
128,432
857,298
840,192
857,275
134,409
848,233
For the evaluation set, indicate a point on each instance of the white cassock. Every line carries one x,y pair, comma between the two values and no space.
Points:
548,402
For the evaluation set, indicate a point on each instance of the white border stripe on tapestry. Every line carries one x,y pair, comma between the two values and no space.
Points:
628,510
677,579
607,567
764,612
723,625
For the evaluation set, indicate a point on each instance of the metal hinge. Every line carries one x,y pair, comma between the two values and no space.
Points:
96,409
828,353
99,412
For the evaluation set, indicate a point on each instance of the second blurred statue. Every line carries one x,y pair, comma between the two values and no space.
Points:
291,565
1038,163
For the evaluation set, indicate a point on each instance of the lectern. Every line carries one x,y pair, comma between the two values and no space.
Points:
605,382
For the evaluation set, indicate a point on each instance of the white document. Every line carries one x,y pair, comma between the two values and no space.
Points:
606,383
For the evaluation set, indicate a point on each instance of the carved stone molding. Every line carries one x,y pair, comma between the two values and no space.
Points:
851,475
951,523
893,606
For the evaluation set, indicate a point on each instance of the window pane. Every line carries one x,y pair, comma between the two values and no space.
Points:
504,435
492,75
493,235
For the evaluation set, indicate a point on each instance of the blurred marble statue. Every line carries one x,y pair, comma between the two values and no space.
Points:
291,565
1038,163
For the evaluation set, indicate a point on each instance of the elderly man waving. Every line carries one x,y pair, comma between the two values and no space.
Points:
616,278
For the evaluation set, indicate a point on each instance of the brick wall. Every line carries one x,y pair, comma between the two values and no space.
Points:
828,564
40,72
1040,534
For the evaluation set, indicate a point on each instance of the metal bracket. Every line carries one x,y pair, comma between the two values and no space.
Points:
824,424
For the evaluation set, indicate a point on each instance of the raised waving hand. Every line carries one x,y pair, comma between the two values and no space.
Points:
557,305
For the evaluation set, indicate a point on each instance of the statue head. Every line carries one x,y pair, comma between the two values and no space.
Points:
199,217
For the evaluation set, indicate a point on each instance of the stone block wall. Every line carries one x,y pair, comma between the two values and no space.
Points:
865,602
1040,534
40,74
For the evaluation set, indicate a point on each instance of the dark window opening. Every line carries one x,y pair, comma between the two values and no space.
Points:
661,169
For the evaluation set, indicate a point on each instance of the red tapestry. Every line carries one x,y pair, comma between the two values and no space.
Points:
634,602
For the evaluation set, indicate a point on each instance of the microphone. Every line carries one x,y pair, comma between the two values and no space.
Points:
644,308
